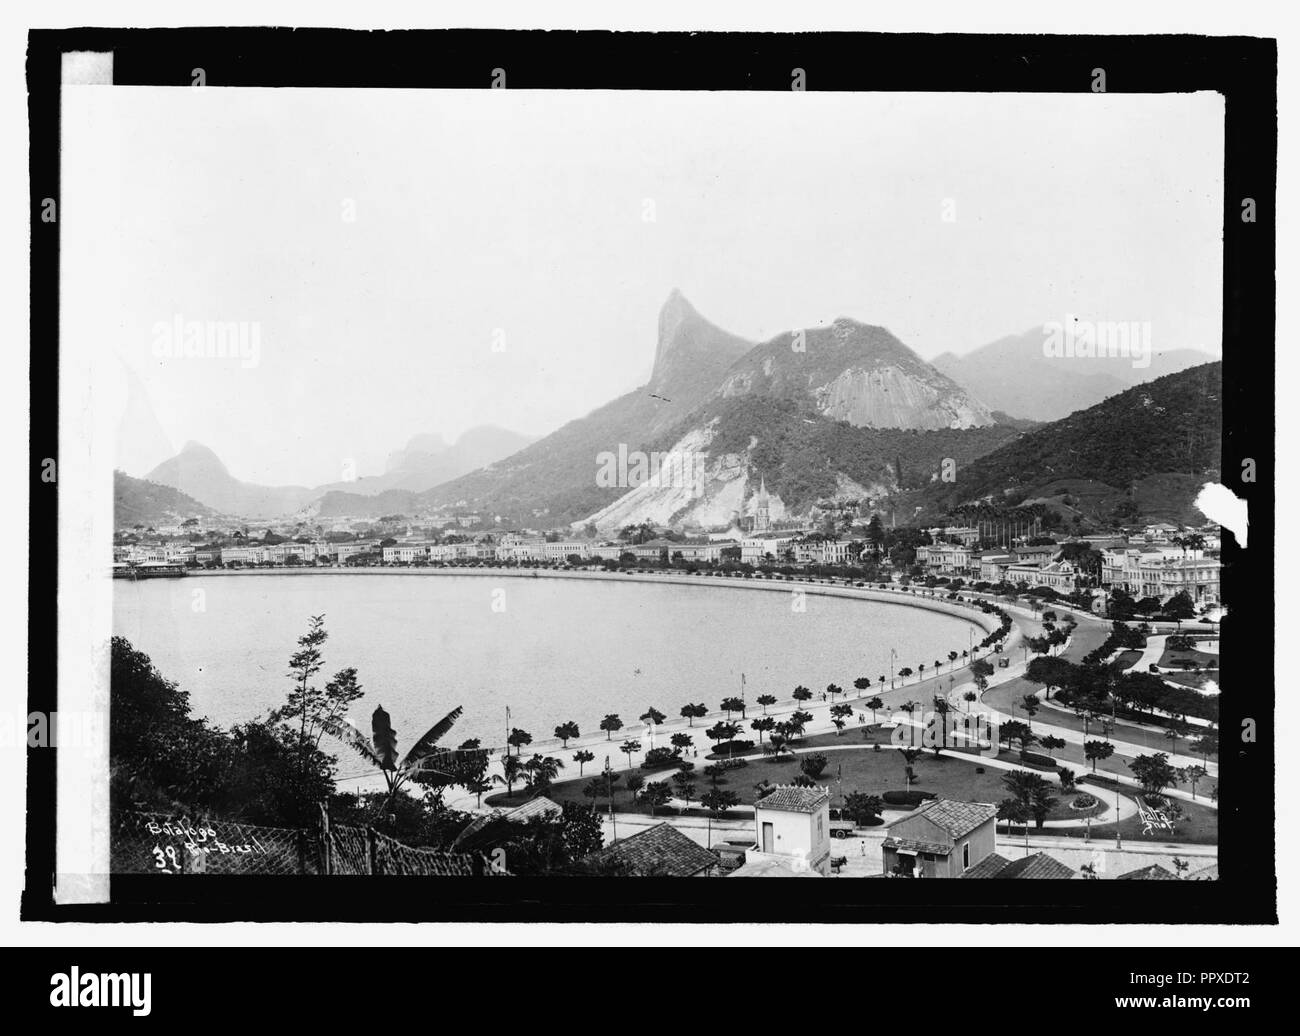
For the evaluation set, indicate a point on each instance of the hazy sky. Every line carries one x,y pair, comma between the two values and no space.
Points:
510,250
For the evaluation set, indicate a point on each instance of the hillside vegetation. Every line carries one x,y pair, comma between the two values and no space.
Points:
1152,445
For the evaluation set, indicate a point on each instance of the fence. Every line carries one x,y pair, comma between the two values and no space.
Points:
157,843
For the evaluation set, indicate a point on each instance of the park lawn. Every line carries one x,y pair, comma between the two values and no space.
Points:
1199,825
1201,658
571,791
1127,659
1195,681
859,769
871,734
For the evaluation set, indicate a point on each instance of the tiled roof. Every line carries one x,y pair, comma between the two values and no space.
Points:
1210,873
659,851
1153,873
938,848
486,827
538,807
793,799
957,818
1040,865
987,867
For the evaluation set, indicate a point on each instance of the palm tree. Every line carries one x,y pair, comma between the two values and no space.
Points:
425,762
910,756
511,769
479,785
630,748
582,758
540,772
942,707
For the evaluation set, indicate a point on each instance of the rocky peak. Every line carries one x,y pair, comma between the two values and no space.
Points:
195,455
691,351
855,372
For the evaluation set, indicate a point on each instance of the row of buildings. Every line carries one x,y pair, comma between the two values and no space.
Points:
408,552
1036,565
1161,571
1145,568
943,838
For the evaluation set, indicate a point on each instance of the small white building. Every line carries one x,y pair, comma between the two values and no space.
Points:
794,823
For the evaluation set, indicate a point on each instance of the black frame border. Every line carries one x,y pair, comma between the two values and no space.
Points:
1242,69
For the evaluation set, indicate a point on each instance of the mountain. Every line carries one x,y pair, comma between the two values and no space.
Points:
336,503
198,472
856,373
427,461
1142,453
719,398
139,502
554,479
844,412
739,446
1015,375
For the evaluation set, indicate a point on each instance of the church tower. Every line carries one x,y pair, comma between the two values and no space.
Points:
762,518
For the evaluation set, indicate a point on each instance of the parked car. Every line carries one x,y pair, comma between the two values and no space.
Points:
1004,663
842,828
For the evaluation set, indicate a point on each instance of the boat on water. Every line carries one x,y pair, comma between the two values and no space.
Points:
147,570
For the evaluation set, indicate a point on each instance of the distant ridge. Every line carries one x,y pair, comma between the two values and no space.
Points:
427,461
199,473
1014,375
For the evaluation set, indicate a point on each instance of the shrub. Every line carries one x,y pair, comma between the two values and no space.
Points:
727,748
910,799
1097,778
658,758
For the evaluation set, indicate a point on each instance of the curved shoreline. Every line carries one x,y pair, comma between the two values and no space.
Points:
975,615
968,612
